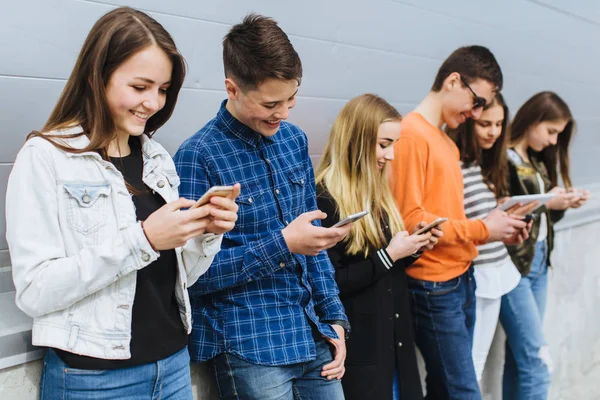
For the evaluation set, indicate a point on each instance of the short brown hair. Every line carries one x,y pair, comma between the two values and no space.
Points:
472,63
257,49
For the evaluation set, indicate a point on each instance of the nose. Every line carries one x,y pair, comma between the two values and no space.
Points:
153,102
389,153
283,111
553,139
496,131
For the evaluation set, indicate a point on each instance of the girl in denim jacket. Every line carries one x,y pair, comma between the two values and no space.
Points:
102,250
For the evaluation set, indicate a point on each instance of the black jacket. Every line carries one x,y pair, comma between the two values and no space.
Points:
377,304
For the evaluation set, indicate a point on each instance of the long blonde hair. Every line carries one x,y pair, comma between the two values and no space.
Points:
348,171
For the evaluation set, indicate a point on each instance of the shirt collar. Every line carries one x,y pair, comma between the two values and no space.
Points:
241,130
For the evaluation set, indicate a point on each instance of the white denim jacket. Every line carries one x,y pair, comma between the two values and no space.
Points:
76,246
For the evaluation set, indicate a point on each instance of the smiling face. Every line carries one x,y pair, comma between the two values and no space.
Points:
458,100
137,89
488,127
544,134
387,134
262,109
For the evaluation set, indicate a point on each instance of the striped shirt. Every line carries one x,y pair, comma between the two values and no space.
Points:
479,201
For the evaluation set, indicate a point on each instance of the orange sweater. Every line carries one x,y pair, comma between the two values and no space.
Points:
427,184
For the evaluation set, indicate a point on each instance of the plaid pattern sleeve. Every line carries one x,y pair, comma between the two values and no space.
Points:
320,270
257,301
235,265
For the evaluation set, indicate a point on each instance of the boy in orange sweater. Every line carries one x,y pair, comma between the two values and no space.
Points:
427,184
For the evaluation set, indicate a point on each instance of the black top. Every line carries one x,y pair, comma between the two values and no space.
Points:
157,331
377,304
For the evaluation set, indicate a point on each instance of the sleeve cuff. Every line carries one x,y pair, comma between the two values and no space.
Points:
385,258
276,253
140,247
208,244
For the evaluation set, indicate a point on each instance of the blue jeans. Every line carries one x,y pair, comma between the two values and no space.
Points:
527,366
396,386
239,379
444,316
167,379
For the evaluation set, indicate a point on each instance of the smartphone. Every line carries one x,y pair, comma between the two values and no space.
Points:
350,218
221,191
430,226
527,218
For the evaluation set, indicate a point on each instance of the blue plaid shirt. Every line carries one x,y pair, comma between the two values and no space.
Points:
256,299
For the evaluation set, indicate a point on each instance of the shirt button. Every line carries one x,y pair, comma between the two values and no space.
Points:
397,315
286,222
161,184
282,265
399,344
277,191
268,161
302,181
250,200
145,256
86,199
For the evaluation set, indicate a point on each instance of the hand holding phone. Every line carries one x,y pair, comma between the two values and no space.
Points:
430,226
221,191
350,218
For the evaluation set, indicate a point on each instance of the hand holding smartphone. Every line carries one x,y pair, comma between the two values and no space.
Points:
221,191
430,226
350,218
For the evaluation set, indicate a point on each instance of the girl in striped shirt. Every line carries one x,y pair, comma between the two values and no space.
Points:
482,145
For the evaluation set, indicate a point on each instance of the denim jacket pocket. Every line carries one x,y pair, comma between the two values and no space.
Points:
86,205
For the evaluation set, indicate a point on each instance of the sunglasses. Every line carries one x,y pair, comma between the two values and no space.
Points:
478,102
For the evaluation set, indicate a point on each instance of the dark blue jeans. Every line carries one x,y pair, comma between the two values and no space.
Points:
444,316
239,379
167,379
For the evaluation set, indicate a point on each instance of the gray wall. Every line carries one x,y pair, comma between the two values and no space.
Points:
348,47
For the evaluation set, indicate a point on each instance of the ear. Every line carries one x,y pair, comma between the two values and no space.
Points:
233,90
452,81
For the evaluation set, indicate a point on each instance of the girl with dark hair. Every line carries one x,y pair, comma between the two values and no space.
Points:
102,253
482,145
540,136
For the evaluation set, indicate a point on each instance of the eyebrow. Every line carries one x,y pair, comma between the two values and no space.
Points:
150,81
279,101
388,139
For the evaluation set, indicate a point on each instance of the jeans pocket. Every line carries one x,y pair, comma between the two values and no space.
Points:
442,288
434,288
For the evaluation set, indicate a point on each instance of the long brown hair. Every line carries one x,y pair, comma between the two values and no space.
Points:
347,170
547,106
493,162
114,38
